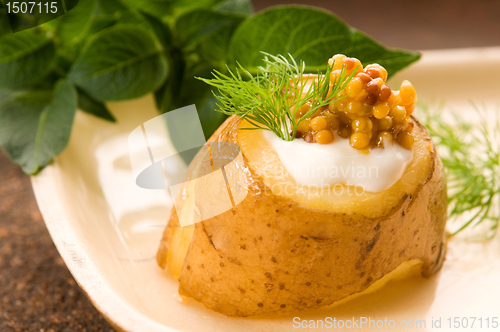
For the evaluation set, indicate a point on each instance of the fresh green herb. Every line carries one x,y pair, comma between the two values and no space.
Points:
270,99
121,49
470,153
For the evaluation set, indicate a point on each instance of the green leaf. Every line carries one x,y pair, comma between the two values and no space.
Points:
158,8
166,95
204,35
194,91
368,51
4,94
109,7
311,35
190,91
36,125
161,30
135,19
4,21
25,57
72,26
209,118
243,7
84,21
215,47
199,24
168,9
183,6
70,4
91,106
120,63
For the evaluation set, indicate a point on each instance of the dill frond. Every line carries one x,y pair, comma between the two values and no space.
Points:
268,100
470,153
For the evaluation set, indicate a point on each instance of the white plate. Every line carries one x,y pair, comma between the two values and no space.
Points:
107,230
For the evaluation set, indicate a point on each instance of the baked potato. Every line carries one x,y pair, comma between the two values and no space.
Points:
276,252
284,243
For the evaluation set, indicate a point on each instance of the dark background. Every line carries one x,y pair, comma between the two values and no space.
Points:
37,292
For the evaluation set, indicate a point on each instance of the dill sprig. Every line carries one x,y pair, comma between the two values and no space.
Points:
470,152
269,99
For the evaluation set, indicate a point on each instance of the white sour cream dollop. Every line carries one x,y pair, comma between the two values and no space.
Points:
313,164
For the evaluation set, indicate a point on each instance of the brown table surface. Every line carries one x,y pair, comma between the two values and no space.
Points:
37,292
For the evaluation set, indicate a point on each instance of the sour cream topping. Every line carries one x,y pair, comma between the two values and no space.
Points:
325,165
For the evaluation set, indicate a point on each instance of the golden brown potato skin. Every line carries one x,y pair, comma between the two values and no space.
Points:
270,255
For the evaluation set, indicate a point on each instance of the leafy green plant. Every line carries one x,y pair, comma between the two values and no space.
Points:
104,50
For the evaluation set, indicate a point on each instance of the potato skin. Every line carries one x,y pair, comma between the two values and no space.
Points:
271,255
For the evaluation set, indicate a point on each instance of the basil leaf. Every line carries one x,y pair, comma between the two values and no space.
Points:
311,35
119,63
25,57
36,125
91,106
